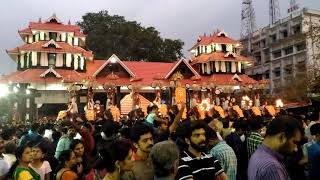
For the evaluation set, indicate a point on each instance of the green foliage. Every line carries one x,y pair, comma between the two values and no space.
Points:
107,35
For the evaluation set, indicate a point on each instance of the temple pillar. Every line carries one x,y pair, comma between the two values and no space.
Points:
188,99
169,96
22,103
118,96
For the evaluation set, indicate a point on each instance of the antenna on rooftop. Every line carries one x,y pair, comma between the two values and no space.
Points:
248,22
274,11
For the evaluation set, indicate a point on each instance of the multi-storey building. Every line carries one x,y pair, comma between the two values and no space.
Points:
284,51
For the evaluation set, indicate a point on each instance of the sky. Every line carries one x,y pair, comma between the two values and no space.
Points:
176,19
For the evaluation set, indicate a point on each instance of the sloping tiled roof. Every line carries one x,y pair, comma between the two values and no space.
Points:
215,38
149,71
228,79
145,74
218,56
38,46
53,27
25,31
34,75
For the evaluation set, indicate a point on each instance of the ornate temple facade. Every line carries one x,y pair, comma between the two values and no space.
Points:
54,65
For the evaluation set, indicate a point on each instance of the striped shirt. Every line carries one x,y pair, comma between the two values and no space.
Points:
198,168
253,141
226,156
266,164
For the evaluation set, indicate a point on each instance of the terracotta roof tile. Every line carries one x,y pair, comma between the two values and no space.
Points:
33,75
221,79
25,31
65,48
206,40
53,27
218,56
149,71
79,34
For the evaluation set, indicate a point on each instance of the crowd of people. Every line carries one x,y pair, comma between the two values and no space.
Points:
147,147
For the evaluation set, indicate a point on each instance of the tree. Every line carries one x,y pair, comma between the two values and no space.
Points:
107,35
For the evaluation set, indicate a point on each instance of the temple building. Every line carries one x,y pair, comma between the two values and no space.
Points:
53,66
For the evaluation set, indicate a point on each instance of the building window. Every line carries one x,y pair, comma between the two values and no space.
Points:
257,57
273,38
53,35
277,72
296,29
301,46
52,59
284,33
263,43
288,50
276,54
267,74
288,69
223,48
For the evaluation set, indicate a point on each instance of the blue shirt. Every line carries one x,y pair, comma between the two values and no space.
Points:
267,164
314,160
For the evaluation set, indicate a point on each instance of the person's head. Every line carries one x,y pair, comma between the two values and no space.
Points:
196,136
165,159
10,148
77,147
193,114
71,132
118,155
240,127
163,126
225,123
35,127
141,136
38,151
24,153
64,130
67,159
110,128
212,137
285,133
255,124
154,109
56,135
315,130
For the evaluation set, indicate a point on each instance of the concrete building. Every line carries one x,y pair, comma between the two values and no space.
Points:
286,50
